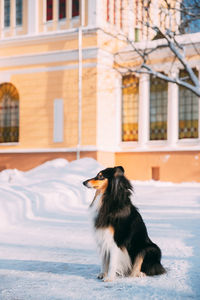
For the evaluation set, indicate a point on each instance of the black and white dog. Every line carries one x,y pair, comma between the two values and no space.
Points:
121,234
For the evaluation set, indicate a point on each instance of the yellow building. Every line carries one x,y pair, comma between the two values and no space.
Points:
60,94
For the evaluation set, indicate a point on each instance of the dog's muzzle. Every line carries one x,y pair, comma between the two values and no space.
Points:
86,183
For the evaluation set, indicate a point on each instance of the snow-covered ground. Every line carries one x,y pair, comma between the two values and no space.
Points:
47,250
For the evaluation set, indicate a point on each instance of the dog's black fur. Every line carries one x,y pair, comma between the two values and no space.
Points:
130,232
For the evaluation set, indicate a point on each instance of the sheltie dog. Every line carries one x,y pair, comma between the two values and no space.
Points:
121,234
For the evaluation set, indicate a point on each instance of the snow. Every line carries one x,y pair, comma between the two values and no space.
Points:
47,248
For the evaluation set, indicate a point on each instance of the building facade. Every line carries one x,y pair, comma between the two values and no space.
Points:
61,96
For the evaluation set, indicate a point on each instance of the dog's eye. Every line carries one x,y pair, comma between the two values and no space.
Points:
100,177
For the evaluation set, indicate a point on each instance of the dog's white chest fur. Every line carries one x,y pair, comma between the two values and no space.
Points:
108,248
104,239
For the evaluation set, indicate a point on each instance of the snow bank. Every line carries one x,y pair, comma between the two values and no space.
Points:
47,248
45,191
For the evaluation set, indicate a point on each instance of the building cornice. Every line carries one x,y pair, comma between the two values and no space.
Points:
45,37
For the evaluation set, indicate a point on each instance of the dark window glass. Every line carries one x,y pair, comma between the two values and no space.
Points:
75,8
9,113
6,13
158,109
108,11
49,10
130,94
188,111
62,9
19,12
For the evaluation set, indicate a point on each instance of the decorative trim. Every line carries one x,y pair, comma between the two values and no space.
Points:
49,57
49,150
45,37
7,74
88,148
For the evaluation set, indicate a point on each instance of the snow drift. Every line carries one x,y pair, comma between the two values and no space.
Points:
47,250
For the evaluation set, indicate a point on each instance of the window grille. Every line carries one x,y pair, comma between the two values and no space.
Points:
6,13
108,11
49,10
62,9
75,8
9,113
130,93
188,112
158,109
19,12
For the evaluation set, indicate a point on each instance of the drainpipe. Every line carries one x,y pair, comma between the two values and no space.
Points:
80,67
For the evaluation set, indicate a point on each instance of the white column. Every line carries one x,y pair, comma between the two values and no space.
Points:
144,96
172,116
33,12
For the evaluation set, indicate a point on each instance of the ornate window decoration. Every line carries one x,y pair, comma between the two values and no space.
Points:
9,113
158,109
75,8
6,13
130,94
19,12
62,9
49,10
188,112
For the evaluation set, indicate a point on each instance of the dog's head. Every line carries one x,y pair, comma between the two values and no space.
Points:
104,178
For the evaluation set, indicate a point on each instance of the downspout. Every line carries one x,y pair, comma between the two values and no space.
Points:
80,67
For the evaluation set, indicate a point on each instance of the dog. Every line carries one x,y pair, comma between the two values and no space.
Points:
121,235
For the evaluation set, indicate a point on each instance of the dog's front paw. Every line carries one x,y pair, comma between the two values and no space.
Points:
108,279
138,274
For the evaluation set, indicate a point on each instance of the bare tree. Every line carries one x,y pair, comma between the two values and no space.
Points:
169,37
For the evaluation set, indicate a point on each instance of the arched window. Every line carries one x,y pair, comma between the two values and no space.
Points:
9,113
158,109
130,93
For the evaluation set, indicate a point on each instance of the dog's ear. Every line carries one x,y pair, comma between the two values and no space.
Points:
119,171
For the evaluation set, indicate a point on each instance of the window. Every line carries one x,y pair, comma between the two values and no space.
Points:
19,12
75,8
190,20
108,11
49,10
130,93
114,11
62,9
6,13
188,112
158,109
9,113
121,14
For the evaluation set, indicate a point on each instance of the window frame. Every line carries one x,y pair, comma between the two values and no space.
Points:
16,10
65,10
162,107
134,104
11,121
46,11
6,26
184,111
72,9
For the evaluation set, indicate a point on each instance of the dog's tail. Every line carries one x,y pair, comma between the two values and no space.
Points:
152,269
151,264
